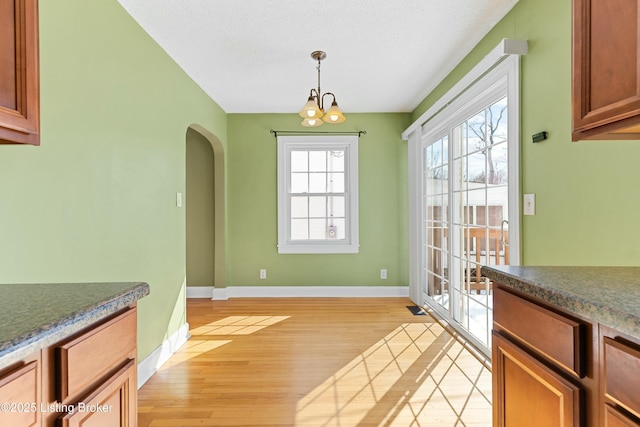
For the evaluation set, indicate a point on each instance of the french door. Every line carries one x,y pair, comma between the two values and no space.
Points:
469,209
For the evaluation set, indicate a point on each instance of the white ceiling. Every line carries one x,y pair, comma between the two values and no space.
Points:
253,56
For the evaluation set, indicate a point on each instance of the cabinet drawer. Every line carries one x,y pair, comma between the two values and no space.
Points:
615,418
621,367
557,337
19,390
84,360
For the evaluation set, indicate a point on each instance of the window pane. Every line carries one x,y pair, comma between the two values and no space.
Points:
299,161
317,229
318,207
317,161
299,182
336,161
299,229
318,183
336,183
476,168
336,207
477,130
497,162
436,154
299,207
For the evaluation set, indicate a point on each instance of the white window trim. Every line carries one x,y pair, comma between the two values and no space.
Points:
351,243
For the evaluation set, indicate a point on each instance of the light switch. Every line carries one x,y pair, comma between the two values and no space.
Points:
529,204
179,200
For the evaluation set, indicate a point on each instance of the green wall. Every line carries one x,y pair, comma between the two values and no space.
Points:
252,198
97,200
587,193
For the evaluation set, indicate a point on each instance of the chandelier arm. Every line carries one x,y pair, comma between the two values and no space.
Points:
322,100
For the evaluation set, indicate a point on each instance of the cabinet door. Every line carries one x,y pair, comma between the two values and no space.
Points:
112,405
19,76
527,393
19,397
606,94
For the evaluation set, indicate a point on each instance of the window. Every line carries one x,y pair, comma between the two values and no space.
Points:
317,194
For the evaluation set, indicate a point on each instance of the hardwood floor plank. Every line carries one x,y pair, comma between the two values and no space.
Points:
316,362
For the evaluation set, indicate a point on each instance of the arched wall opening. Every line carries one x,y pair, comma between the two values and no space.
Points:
205,209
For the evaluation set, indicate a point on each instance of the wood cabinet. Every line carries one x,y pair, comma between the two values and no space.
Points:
541,369
620,384
87,379
19,74
606,69
554,368
530,393
20,394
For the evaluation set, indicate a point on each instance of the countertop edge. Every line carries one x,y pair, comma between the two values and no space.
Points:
597,311
51,333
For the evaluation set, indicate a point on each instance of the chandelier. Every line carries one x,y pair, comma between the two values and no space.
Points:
313,111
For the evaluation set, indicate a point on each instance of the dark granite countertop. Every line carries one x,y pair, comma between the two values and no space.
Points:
34,316
607,295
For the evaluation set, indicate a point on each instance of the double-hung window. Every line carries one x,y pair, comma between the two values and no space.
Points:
317,194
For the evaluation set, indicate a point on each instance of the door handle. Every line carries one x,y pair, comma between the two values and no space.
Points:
503,242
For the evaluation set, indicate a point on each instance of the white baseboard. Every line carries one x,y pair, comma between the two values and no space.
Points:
200,291
296,292
160,355
220,294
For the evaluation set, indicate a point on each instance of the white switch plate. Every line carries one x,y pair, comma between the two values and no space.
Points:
530,204
383,273
263,273
179,200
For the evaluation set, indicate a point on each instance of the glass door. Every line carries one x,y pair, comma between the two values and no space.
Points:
466,216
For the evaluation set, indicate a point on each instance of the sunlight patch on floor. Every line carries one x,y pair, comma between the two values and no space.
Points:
418,375
238,325
192,348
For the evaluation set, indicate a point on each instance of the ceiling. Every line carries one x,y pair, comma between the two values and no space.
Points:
254,56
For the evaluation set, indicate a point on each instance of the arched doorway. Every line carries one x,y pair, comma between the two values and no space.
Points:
205,209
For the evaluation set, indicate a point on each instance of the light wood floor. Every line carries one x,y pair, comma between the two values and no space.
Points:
316,362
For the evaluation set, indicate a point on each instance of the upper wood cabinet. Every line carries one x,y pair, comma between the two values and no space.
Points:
606,69
19,76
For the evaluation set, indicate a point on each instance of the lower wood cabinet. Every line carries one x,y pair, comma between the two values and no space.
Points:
554,368
527,393
88,379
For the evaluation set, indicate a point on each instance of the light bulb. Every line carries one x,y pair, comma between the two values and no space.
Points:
311,113
333,117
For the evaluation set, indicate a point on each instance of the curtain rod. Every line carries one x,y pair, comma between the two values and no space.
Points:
303,132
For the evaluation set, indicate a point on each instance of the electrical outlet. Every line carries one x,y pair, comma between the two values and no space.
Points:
383,273
263,273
